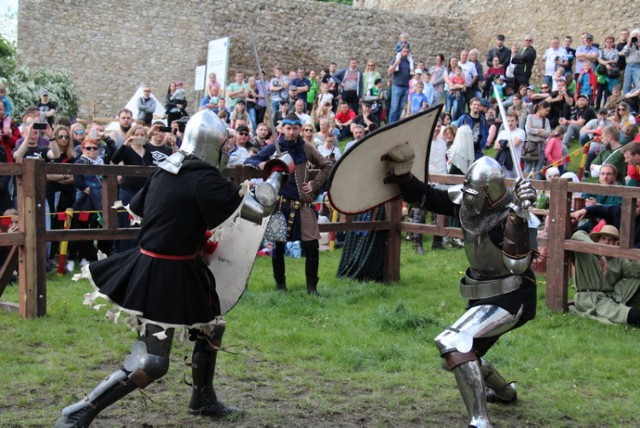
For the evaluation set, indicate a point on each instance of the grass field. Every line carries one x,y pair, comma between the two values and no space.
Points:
362,355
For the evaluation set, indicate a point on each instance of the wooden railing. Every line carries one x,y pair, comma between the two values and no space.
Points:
28,245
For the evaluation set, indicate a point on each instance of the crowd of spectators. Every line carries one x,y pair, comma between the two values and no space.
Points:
588,93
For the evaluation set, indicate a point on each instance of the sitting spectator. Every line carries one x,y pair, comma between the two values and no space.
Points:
329,149
343,120
367,119
606,286
239,113
358,133
324,112
611,154
299,110
581,115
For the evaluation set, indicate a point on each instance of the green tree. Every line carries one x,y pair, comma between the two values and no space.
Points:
23,84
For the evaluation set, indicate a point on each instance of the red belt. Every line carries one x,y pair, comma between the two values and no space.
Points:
166,256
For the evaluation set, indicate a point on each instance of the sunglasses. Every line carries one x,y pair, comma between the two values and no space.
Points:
544,87
622,109
308,130
244,134
90,148
78,131
62,137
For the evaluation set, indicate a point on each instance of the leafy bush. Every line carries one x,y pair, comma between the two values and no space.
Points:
23,84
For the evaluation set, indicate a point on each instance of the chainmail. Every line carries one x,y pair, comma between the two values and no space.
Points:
484,222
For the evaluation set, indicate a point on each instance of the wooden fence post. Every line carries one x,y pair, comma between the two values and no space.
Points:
391,268
559,230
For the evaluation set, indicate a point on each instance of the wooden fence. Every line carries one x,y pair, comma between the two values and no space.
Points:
28,245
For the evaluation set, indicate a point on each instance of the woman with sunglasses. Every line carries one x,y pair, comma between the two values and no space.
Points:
88,200
622,116
60,187
77,134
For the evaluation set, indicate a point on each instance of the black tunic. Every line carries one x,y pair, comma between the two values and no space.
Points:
176,212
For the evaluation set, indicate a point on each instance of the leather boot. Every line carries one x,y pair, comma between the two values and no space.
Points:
498,389
203,397
312,286
277,262
111,389
417,244
281,285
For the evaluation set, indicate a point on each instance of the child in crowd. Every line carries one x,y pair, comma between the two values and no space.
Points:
499,81
553,150
587,83
428,90
325,96
557,76
402,41
8,108
418,99
456,86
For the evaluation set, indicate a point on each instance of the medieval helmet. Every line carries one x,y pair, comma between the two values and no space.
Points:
484,186
204,136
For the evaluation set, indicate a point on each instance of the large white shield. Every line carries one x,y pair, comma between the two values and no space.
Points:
233,259
356,181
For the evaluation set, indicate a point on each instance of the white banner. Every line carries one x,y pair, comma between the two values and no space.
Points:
201,76
218,60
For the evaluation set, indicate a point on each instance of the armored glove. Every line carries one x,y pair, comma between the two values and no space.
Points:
399,159
525,196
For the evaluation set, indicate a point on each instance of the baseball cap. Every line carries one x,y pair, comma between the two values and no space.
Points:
500,37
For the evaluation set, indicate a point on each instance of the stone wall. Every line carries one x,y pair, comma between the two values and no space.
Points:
515,18
111,47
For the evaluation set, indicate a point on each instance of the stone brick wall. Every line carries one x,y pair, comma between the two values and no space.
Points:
515,18
111,47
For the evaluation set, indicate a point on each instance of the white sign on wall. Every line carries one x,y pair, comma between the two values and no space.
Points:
201,72
218,60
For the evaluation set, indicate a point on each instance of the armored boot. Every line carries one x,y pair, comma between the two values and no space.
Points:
111,389
498,389
470,383
277,262
203,366
312,286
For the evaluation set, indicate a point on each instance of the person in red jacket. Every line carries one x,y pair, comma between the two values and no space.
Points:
9,139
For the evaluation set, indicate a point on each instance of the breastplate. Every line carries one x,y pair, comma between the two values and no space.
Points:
484,257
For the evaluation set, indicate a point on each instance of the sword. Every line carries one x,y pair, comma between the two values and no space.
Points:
512,149
267,95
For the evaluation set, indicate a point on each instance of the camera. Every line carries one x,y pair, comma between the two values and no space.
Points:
40,126
557,58
634,40
165,129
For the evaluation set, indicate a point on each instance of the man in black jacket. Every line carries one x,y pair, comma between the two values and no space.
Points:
524,62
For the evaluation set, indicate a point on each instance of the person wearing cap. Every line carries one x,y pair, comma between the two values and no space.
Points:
239,152
295,199
523,59
607,287
47,108
586,53
599,122
581,115
500,51
555,56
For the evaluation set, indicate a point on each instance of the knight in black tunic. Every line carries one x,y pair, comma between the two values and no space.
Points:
165,283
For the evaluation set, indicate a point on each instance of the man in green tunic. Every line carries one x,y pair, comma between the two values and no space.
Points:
607,287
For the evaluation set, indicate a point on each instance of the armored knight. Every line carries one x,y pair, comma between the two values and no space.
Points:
499,285
165,283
